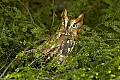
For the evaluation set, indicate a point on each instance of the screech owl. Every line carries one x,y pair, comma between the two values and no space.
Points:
62,42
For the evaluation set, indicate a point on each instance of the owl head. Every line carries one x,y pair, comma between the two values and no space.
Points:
71,26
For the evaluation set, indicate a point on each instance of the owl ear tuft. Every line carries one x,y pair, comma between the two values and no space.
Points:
80,17
64,17
64,13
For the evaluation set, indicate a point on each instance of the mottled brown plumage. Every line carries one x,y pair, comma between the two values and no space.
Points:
62,42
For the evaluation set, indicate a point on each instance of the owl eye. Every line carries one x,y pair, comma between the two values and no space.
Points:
75,25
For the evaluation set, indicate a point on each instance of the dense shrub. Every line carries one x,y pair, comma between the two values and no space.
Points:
96,54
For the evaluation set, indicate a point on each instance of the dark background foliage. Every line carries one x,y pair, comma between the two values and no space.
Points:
96,54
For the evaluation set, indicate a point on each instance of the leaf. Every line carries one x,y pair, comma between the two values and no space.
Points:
37,55
108,2
107,11
116,29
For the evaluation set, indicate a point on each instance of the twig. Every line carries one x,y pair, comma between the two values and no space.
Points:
32,21
53,13
7,68
39,42
96,27
3,66
112,39
35,60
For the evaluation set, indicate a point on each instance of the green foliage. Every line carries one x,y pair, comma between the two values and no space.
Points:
96,54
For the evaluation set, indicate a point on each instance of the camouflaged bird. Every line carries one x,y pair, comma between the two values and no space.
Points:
62,42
